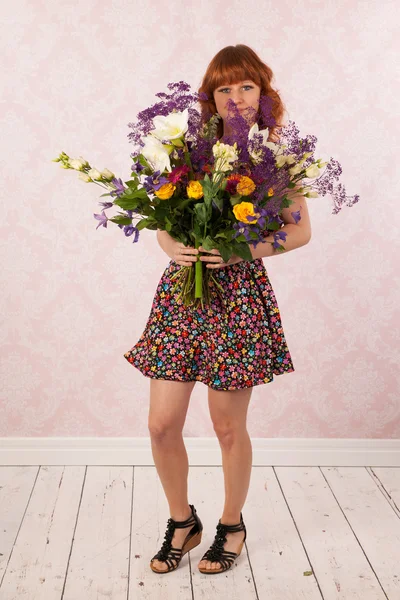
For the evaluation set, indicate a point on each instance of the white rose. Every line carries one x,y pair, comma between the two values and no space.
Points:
296,169
156,154
224,155
225,151
256,156
280,160
312,171
172,126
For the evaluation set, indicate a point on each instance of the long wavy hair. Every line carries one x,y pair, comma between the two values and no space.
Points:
238,63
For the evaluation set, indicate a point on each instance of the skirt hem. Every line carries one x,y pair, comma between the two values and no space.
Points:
247,384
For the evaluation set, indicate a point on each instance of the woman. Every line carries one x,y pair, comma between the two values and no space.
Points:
230,346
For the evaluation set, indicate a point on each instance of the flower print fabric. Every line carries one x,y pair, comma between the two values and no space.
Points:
233,343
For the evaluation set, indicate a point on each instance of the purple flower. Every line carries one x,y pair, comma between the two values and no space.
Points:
179,99
120,188
296,216
279,235
106,204
154,182
137,167
129,230
102,218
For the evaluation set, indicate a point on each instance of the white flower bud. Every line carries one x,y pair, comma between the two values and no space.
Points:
312,171
84,177
106,174
77,164
94,174
296,169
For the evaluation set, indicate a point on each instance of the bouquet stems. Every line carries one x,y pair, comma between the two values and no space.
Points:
194,285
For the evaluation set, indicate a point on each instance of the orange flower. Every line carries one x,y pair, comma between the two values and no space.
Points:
194,189
245,186
166,191
243,210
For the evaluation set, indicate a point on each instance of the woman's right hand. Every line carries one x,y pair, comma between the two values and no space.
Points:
177,251
183,255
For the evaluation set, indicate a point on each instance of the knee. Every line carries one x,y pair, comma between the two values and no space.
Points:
163,431
226,433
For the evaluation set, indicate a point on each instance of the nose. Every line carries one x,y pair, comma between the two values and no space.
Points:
237,99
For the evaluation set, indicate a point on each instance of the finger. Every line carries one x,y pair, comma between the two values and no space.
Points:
214,258
213,251
187,249
184,263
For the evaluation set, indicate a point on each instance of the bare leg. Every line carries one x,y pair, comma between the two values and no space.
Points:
169,401
228,410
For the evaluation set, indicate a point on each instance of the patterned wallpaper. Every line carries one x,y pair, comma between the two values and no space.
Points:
74,299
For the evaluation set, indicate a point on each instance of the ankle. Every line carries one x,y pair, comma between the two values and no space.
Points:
181,514
230,519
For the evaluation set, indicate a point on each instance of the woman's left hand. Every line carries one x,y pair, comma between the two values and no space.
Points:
214,261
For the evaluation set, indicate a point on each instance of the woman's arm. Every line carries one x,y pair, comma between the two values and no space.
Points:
165,241
297,234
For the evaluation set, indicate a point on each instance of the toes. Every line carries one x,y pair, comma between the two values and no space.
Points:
161,565
210,566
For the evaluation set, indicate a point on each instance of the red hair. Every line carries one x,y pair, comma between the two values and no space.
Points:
238,63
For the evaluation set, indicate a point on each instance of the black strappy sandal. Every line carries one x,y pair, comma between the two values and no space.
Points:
216,552
173,556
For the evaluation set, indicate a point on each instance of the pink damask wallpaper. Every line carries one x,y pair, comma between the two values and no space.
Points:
74,299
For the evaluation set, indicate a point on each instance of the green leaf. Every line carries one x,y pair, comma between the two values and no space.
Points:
168,224
242,250
132,183
200,210
127,204
236,199
121,220
274,225
148,223
286,202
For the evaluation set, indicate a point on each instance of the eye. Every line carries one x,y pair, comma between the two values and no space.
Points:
245,86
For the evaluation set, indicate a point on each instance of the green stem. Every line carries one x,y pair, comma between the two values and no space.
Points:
189,163
198,293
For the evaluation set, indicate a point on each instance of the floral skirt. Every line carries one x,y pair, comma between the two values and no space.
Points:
234,342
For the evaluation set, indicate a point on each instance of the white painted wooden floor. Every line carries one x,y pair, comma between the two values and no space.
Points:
86,533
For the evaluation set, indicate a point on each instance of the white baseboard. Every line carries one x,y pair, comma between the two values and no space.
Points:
201,451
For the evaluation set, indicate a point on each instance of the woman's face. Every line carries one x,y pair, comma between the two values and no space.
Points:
245,94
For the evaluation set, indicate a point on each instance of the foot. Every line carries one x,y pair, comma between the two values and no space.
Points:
177,542
232,544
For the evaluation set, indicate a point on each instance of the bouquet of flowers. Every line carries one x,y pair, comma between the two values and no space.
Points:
207,193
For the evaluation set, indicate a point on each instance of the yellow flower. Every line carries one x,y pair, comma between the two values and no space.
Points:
270,192
245,186
243,210
194,189
166,191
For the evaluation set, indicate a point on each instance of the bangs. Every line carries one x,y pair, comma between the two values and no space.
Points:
232,69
